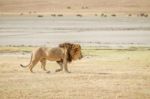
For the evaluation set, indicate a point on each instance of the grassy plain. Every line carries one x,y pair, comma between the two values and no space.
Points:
101,74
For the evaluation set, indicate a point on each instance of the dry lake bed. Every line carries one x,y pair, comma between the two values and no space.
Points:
88,31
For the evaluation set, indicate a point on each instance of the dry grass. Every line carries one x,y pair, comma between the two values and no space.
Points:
102,74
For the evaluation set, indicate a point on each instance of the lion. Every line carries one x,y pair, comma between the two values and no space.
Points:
63,54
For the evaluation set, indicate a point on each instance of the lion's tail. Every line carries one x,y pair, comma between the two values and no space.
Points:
28,64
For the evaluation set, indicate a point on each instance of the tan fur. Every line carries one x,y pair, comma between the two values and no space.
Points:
66,52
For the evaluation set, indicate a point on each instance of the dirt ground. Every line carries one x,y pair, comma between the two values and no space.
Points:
73,7
101,74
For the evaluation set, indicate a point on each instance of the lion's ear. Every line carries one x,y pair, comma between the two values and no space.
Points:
61,45
67,45
76,46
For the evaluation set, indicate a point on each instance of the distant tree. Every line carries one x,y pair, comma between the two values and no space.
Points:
40,16
30,12
146,15
130,15
68,7
113,15
103,15
96,15
84,7
142,14
21,14
53,15
79,15
60,15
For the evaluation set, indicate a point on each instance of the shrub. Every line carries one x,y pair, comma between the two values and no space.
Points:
130,15
53,15
21,14
113,15
143,15
60,15
96,15
68,7
103,15
79,15
40,16
84,7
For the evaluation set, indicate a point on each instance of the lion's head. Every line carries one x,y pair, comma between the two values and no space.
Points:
73,51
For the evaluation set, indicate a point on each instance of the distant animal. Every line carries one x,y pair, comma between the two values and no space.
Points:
63,54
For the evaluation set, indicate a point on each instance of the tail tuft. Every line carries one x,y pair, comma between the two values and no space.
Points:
23,66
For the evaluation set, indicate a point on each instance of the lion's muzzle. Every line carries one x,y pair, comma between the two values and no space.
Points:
81,56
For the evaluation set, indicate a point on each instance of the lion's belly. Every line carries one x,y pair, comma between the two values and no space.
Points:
52,58
54,54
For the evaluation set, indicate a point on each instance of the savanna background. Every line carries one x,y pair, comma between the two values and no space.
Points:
115,40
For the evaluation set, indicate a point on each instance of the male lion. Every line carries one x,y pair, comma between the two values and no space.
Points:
66,52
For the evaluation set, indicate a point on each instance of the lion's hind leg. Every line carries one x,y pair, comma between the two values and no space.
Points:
43,64
61,66
33,63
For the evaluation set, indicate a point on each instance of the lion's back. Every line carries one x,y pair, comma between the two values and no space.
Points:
49,53
56,53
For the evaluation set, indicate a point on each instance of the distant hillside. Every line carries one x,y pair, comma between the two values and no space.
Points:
74,6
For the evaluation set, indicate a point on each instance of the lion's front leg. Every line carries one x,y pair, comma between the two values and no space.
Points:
65,66
43,64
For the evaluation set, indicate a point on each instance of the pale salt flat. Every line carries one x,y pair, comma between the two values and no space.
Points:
88,31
